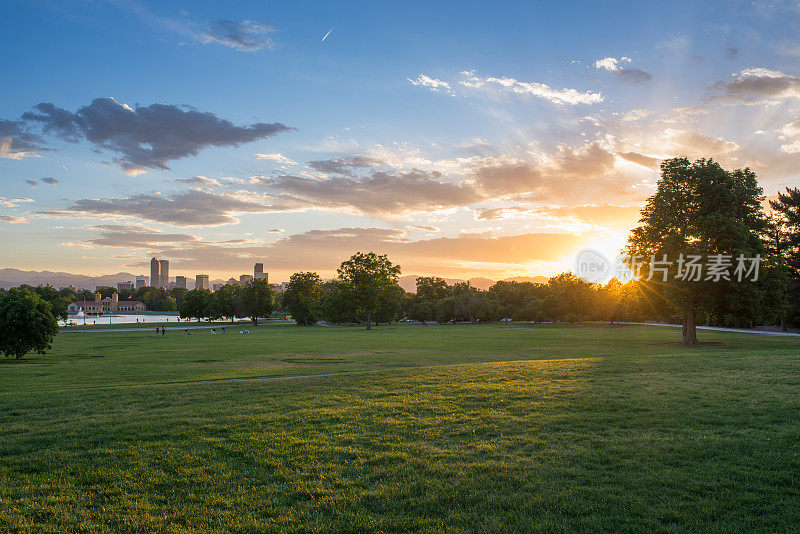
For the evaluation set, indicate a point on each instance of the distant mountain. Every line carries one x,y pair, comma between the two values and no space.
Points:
409,282
15,277
534,279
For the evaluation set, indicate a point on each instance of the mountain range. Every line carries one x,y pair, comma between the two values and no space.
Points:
14,277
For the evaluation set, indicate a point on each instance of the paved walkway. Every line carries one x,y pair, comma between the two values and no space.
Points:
721,329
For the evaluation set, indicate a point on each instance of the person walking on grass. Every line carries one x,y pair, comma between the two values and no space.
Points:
163,330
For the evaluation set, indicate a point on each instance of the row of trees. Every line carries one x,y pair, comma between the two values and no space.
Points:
254,299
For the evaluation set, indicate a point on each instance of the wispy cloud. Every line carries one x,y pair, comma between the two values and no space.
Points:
535,89
8,202
12,219
434,84
248,36
280,158
191,208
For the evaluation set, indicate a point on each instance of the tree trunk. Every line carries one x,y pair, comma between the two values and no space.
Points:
784,326
255,321
369,320
689,325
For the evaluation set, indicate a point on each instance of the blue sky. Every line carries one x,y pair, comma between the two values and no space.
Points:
469,139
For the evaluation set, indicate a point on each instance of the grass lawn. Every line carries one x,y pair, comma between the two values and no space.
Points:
444,428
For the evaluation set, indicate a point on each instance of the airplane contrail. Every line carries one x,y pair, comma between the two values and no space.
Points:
327,34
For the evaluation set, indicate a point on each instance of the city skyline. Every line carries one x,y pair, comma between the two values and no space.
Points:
487,142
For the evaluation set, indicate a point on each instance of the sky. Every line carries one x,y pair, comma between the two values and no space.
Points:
469,139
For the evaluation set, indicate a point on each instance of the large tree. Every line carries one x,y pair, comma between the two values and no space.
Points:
370,279
26,323
700,209
257,300
784,243
195,304
302,297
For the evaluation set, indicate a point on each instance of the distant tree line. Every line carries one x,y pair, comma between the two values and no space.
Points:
254,299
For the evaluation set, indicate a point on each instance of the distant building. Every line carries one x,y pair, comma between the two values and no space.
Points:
155,273
232,281
164,273
110,304
141,281
280,287
258,272
217,286
245,278
201,282
121,286
180,281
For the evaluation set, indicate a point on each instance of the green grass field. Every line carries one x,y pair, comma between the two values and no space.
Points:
444,428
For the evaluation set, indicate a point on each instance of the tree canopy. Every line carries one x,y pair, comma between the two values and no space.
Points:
369,279
700,209
303,297
26,323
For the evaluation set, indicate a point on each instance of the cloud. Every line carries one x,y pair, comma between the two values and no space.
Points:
634,76
434,84
11,219
134,239
344,165
791,134
248,36
146,137
498,214
8,202
192,208
380,193
50,181
599,214
569,173
611,63
201,181
280,158
641,159
539,90
759,85
16,142
70,244
681,141
33,183
614,65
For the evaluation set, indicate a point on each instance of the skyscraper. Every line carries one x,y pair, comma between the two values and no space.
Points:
141,281
258,272
180,281
155,273
201,282
164,273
